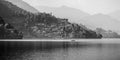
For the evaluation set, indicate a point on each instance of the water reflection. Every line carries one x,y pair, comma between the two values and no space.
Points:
59,51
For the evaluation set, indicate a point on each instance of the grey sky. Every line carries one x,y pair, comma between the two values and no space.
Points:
90,6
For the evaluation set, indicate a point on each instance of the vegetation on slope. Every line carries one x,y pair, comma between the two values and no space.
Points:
42,25
8,32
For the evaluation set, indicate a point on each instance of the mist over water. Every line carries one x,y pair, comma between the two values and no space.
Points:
59,51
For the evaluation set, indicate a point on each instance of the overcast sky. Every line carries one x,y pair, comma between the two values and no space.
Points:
90,6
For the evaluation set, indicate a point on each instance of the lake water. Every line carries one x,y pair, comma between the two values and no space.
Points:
36,50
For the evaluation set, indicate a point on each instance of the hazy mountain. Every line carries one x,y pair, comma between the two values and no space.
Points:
24,5
42,25
107,33
115,15
72,14
103,21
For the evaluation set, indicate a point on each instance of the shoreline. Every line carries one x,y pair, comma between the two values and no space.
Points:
65,40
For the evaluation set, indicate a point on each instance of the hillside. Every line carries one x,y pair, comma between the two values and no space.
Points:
9,32
24,5
73,14
42,25
13,14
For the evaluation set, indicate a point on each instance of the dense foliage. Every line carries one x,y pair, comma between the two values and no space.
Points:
8,32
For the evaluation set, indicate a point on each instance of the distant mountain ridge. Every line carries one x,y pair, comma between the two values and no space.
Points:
115,14
103,21
64,12
24,5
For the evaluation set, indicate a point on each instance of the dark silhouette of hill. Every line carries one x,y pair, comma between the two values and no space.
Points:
13,14
8,32
42,25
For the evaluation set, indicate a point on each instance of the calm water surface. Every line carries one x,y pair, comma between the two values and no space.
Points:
58,51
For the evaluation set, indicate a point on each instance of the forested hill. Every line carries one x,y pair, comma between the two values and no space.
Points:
42,25
9,32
